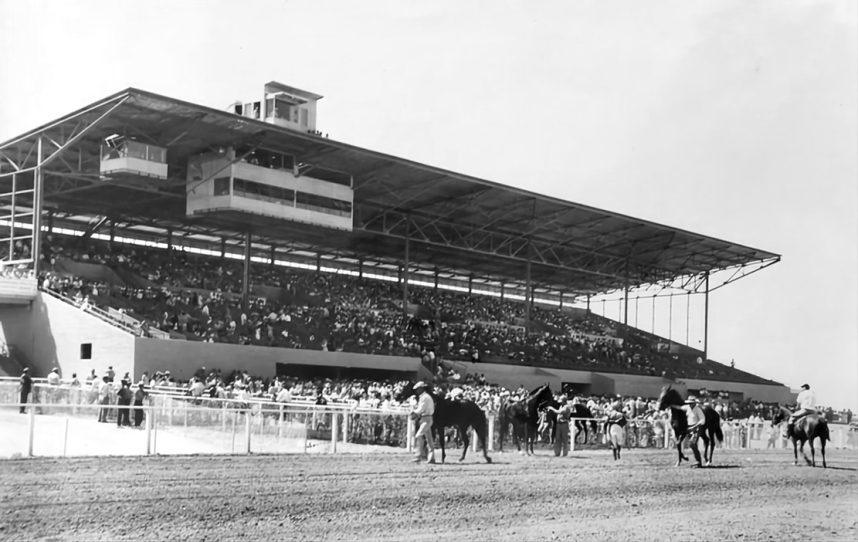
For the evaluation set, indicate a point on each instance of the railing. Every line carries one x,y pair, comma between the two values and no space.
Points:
63,420
111,316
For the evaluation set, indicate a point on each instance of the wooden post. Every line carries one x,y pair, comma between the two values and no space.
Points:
247,431
31,428
148,413
335,429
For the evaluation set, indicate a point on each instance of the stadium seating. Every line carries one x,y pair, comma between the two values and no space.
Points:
197,297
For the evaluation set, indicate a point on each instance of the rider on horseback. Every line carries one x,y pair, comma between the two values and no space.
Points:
807,405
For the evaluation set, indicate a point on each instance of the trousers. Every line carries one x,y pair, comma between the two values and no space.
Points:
561,439
424,444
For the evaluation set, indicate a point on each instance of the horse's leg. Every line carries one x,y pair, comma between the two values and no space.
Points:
801,449
795,451
679,456
705,448
463,434
812,453
441,438
822,449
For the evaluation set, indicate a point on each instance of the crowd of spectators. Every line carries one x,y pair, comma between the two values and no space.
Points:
198,297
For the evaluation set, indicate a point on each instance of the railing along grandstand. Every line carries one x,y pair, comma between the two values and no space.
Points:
176,423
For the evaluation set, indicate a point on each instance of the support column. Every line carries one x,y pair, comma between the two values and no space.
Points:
245,282
318,263
706,321
271,255
360,269
653,314
405,275
670,319
470,284
436,279
561,300
626,304
528,294
502,292
112,233
222,248
38,189
688,319
588,302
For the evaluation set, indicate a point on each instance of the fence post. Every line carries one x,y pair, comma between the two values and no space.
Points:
31,427
148,412
667,428
280,425
410,435
573,434
335,429
474,437
66,437
247,431
491,434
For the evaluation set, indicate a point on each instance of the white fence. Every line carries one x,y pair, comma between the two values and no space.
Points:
63,420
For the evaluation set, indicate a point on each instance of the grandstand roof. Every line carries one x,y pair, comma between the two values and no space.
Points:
454,222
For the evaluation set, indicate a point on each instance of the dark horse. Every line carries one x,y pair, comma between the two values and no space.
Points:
580,415
462,414
709,432
524,417
805,429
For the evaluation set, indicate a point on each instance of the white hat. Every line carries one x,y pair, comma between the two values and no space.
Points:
419,384
456,393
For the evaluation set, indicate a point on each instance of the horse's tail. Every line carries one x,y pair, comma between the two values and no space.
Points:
823,431
717,431
481,426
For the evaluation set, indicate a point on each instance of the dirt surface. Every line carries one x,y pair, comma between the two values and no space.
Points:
749,496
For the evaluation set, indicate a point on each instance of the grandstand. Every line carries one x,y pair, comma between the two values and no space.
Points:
149,233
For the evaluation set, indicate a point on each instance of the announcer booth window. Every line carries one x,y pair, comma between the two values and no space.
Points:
86,351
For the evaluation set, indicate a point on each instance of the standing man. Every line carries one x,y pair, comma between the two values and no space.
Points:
564,415
26,387
422,415
139,396
696,419
124,402
103,399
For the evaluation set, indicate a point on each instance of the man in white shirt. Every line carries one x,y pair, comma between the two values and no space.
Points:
806,405
422,415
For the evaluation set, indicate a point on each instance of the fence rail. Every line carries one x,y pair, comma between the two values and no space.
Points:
61,420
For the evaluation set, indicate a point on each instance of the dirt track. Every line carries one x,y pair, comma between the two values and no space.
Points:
752,496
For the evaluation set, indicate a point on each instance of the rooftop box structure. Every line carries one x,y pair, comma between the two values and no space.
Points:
284,106
120,155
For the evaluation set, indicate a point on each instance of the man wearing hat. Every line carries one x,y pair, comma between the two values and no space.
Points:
26,386
422,414
806,401
564,415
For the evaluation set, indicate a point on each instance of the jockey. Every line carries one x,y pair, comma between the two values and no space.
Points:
806,405
694,413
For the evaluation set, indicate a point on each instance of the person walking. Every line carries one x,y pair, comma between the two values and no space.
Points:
564,416
422,415
25,387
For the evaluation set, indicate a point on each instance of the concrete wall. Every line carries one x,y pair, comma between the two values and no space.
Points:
769,393
50,333
183,358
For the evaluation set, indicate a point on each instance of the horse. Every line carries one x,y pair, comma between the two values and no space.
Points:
462,414
616,434
525,413
581,414
709,432
505,419
806,429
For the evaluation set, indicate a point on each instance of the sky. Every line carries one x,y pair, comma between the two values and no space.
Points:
734,119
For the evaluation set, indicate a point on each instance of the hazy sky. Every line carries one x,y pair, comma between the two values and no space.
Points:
733,119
